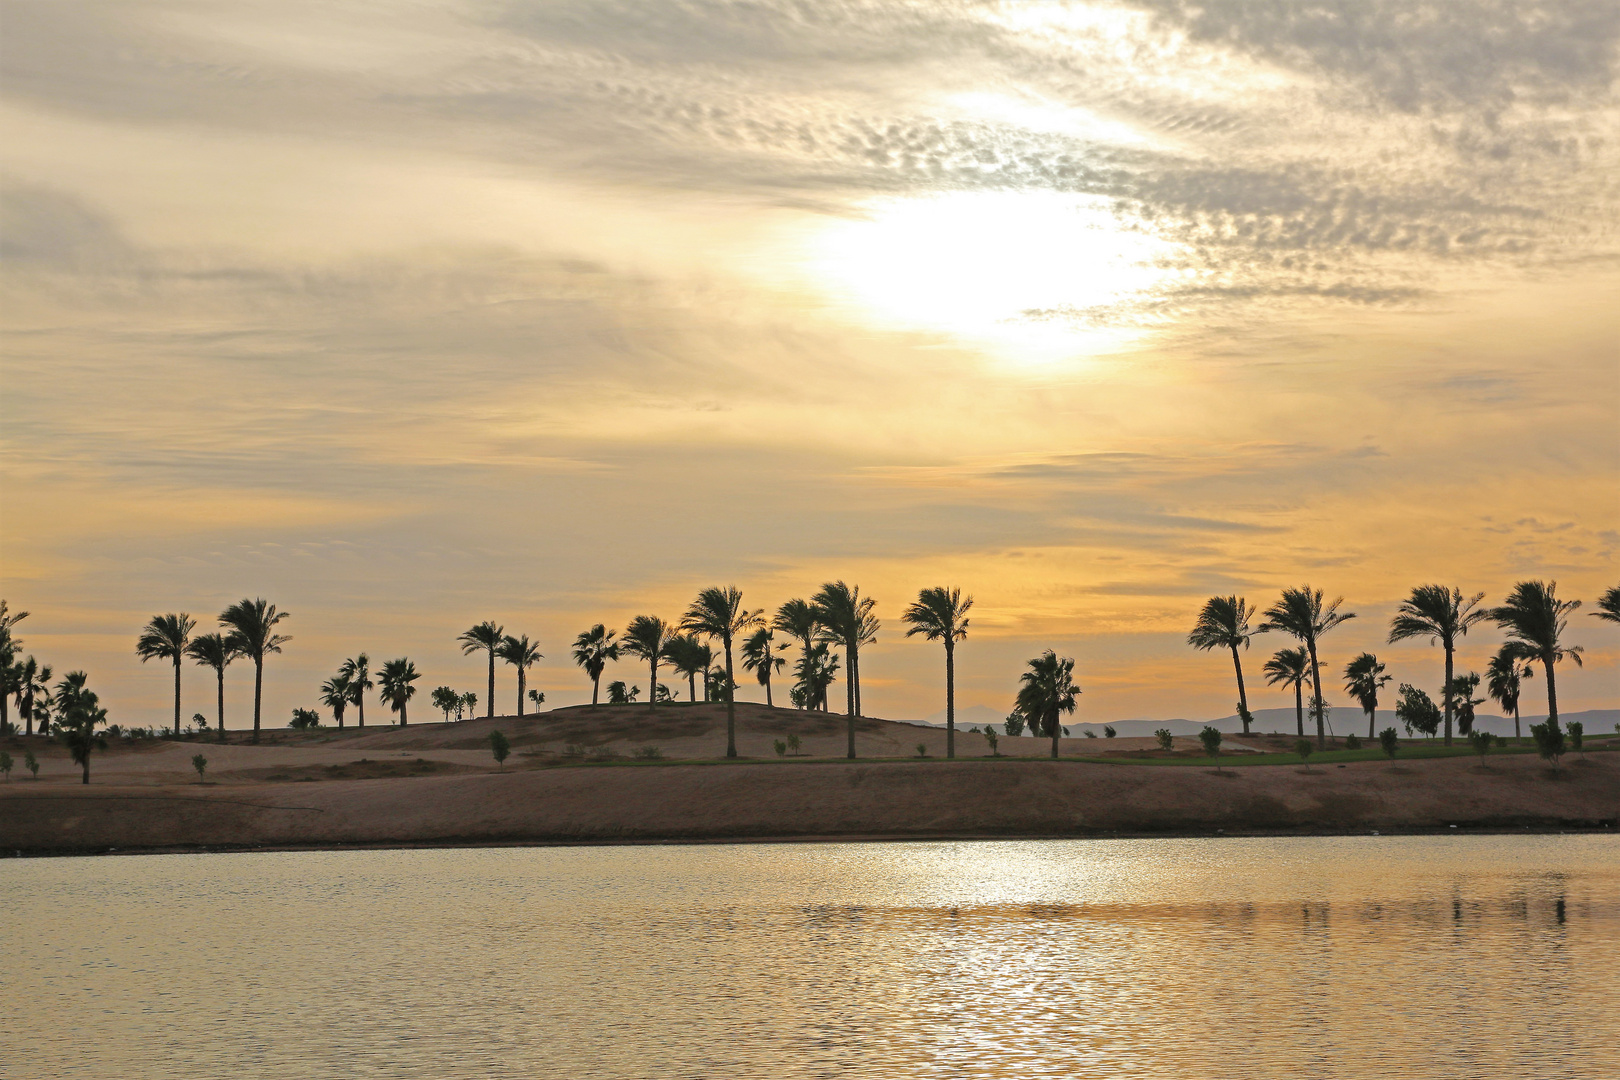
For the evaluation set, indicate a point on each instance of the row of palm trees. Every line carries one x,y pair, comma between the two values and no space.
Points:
1533,617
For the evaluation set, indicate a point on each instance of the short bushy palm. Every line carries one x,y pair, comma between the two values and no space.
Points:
216,651
940,614
357,672
1046,692
1301,613
1363,678
253,634
335,695
798,619
522,654
689,658
1223,623
394,686
1290,667
166,638
1535,621
593,649
1504,679
759,656
1442,615
718,613
648,636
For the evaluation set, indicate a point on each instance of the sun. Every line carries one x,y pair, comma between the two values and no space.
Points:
1002,270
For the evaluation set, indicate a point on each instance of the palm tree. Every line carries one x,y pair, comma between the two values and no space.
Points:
689,657
10,677
1223,623
648,636
166,638
940,614
847,621
798,619
356,671
592,651
253,625
1442,615
814,672
1504,678
1363,678
215,651
1048,689
1289,667
522,654
1301,613
33,686
336,694
487,636
1608,606
80,715
1535,619
718,613
759,656
395,680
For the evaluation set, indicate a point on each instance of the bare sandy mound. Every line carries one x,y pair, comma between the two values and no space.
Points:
598,803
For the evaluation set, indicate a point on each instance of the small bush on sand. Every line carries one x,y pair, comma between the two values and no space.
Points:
1090,734
500,746
1211,739
1014,725
1549,741
199,763
649,753
922,749
1303,748
1389,742
1352,743
1166,740
1577,733
781,748
1481,742
6,764
1417,711
793,745
31,763
1108,730
305,720
989,734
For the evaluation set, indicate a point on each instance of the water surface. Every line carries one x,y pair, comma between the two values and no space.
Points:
1467,956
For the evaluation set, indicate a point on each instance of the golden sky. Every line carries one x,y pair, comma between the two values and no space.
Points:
408,315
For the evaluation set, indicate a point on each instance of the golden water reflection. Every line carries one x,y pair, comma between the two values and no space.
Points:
1350,957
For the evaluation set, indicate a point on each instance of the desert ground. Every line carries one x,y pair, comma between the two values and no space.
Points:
574,776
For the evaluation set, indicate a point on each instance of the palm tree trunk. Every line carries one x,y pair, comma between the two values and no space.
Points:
177,695
258,692
403,719
360,703
768,704
1057,730
221,674
490,709
849,681
1316,699
521,681
596,687
731,706
1446,693
1372,722
855,676
1552,692
26,707
1518,736
1299,708
652,685
1243,696
950,699
691,687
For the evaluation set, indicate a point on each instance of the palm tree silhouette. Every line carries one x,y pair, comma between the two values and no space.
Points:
1223,623
1442,615
1289,667
718,613
1535,619
1301,613
522,654
689,657
1048,690
592,651
487,636
648,636
940,614
395,681
814,672
1363,678
847,621
33,690
759,656
252,624
335,695
799,620
356,671
166,638
1608,605
215,651
1504,679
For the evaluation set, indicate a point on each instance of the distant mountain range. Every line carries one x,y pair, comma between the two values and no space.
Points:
1342,719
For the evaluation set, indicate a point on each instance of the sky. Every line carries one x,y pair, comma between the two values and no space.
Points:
409,315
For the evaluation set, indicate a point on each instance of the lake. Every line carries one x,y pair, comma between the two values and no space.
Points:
1449,956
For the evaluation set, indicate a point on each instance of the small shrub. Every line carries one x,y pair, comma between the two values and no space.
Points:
1303,748
199,721
5,765
648,753
1014,725
1389,742
305,720
1577,732
793,745
781,748
1108,730
1417,711
1352,743
1090,734
1549,741
1481,742
989,734
31,763
199,763
1211,738
1166,740
922,749
974,730
500,746
537,698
